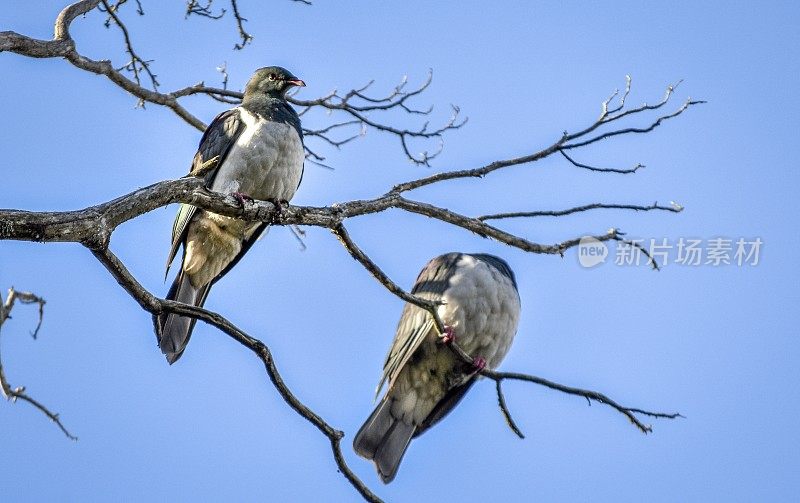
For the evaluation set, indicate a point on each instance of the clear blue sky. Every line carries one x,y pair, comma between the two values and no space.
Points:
718,344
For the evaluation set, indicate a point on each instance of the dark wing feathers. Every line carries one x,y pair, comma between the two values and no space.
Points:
435,276
415,324
444,406
182,219
499,264
217,141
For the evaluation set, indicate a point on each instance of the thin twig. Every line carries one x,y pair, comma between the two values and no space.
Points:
344,237
136,63
635,130
246,37
673,207
623,171
18,393
193,7
299,234
501,402
628,412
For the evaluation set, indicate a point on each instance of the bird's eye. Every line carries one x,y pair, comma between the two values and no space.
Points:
271,76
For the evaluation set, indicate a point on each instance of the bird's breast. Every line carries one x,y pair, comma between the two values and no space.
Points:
266,162
483,307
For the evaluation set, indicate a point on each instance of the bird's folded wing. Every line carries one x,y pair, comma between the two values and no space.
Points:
217,141
415,323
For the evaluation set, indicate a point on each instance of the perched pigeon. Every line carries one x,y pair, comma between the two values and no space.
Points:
425,378
259,151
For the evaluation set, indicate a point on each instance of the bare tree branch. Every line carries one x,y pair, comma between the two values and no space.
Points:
623,171
628,412
352,248
686,104
673,207
119,3
608,116
18,393
194,7
136,65
355,103
93,226
63,46
157,306
246,37
299,234
501,402
25,298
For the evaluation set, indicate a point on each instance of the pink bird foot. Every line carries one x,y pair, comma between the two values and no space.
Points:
479,363
242,197
280,206
449,335
280,203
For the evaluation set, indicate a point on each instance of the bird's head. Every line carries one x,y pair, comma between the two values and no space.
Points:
272,81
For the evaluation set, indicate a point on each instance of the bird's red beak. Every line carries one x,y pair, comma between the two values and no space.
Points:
296,82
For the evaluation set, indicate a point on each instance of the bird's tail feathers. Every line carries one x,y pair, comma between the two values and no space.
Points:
175,330
384,440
